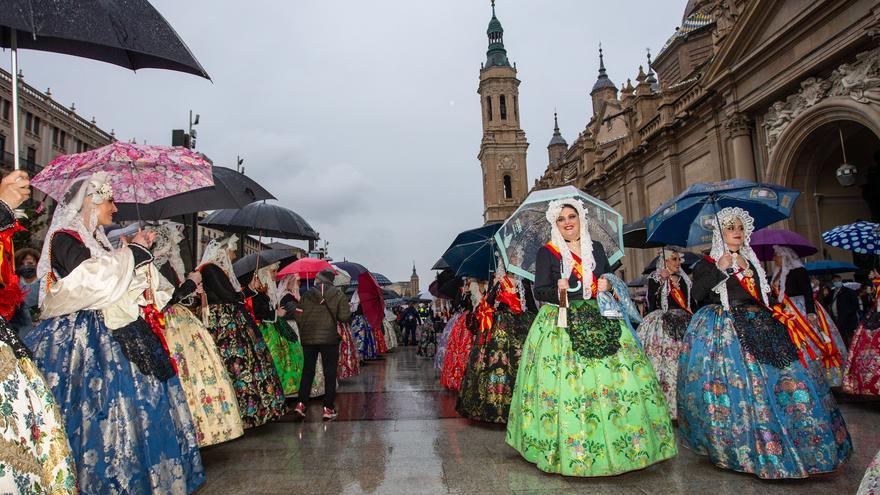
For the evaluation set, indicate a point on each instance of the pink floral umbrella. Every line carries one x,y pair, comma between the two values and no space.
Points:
138,173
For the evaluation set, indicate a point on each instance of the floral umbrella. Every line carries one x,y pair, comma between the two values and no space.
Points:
138,173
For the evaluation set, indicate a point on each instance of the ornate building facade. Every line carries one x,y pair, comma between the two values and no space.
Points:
781,91
503,148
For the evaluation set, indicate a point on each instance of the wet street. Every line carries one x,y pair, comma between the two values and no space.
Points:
398,432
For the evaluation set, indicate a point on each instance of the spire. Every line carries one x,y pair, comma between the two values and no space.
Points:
651,79
414,274
602,81
557,136
496,56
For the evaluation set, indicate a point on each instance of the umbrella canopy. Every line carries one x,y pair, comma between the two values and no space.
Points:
472,253
448,284
231,189
267,220
440,265
635,235
689,218
390,294
130,34
527,229
763,240
382,280
372,299
641,281
305,267
860,237
353,269
829,267
688,261
249,263
342,279
138,173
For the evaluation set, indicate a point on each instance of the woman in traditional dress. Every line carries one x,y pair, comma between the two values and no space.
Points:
248,361
461,306
362,332
36,457
349,362
870,484
586,402
669,306
206,384
461,340
744,398
126,416
504,318
389,331
862,375
821,345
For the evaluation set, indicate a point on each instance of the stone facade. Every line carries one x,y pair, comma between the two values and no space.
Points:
767,90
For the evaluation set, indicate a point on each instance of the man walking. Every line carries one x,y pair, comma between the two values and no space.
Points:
844,305
409,321
317,315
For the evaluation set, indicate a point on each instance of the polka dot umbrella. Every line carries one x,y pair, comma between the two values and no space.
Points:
860,237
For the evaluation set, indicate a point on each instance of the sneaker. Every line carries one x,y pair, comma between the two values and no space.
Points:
329,414
299,411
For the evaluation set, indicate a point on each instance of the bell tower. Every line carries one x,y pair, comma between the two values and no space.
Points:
503,149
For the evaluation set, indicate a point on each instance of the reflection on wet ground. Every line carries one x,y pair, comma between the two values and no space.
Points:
397,432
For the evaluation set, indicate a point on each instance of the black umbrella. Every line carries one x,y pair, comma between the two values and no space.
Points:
248,264
641,281
231,189
635,235
688,261
381,279
265,219
130,34
441,264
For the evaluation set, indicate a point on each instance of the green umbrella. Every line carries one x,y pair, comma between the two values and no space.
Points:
527,229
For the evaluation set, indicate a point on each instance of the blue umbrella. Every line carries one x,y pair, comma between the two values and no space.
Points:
382,280
861,237
688,219
829,267
472,253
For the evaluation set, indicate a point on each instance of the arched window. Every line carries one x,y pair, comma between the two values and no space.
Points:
502,105
508,187
489,107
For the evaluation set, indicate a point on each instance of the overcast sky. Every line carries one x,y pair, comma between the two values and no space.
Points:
363,116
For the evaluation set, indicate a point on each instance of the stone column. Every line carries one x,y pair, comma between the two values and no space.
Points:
739,132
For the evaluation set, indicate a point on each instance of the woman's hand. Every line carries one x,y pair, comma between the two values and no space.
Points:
603,285
144,238
15,188
281,312
725,261
562,284
664,273
196,277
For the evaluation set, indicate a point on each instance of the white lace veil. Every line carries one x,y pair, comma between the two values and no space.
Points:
266,276
589,263
725,217
217,253
665,286
77,213
789,260
166,248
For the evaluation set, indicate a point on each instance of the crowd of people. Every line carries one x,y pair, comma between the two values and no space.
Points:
120,365
744,364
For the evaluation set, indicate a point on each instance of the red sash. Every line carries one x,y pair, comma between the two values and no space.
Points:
577,266
678,296
11,295
249,306
832,357
485,315
156,320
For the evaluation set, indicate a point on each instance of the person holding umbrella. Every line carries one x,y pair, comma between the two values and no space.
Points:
844,304
862,375
248,361
745,400
318,314
125,413
586,401
409,320
23,389
670,310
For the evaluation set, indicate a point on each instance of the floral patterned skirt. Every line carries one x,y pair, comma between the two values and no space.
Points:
379,337
206,384
862,375
128,432
390,334
663,346
249,363
443,341
753,417
871,481
349,364
364,337
36,456
458,351
487,386
580,416
288,363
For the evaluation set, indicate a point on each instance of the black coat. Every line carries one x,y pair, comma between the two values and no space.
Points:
548,271
655,295
843,303
707,276
797,283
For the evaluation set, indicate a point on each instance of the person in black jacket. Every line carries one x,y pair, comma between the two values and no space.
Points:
844,305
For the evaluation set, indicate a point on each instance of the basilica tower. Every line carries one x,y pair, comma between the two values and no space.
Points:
503,149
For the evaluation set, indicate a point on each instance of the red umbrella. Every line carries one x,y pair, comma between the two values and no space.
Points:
305,267
372,300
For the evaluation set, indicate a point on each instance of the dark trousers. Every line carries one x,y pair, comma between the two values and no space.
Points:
330,360
409,336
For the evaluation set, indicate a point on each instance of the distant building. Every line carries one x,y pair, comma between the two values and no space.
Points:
407,289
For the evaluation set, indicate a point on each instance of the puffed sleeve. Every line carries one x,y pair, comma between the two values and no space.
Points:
653,295
547,274
707,276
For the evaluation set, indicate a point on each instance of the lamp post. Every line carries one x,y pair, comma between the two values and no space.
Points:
846,173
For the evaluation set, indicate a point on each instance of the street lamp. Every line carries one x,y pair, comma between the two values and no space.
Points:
846,173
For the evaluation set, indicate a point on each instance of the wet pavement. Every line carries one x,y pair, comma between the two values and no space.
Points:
398,433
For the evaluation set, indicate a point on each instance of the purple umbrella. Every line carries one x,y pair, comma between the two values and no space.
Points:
763,240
